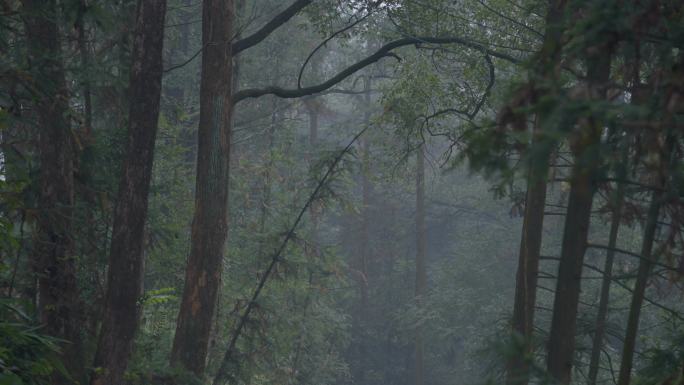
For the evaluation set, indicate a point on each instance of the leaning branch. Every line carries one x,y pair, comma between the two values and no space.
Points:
255,38
223,373
280,19
382,52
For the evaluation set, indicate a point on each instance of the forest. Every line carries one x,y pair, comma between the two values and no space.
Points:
341,192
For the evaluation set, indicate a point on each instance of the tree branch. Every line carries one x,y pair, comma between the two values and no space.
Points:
222,376
382,52
324,42
258,36
280,19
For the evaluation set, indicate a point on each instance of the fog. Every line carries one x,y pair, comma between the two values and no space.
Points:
342,192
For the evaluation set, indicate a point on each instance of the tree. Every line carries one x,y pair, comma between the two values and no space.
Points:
209,225
54,263
648,257
126,258
645,265
546,72
421,261
203,268
523,104
209,228
584,143
616,217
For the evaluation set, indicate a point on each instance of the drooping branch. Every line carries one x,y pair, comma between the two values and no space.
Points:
278,20
470,115
382,52
324,42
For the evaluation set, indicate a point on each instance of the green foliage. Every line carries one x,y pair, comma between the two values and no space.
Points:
27,356
663,364
324,317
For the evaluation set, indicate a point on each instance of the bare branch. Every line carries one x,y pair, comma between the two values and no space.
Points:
324,42
258,36
275,23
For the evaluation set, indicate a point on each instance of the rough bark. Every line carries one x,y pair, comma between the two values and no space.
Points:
126,258
53,261
421,263
209,226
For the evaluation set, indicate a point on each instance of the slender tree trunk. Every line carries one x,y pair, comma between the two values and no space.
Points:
209,226
54,259
597,344
618,204
365,201
314,106
644,271
645,266
363,259
84,53
421,263
566,300
528,269
313,110
364,240
126,258
582,186
667,162
517,372
178,53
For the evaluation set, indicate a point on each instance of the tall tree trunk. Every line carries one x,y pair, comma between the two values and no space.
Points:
535,201
365,201
644,271
616,217
528,269
362,262
178,53
126,258
667,160
313,107
54,259
209,226
562,337
583,144
599,332
84,53
421,263
645,265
